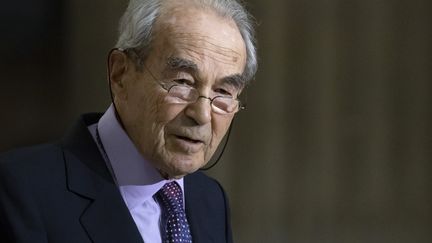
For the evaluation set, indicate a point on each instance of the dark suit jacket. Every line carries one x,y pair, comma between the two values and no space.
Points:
64,192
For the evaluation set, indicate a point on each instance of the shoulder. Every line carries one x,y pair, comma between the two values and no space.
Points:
27,179
37,162
43,157
30,156
202,182
199,186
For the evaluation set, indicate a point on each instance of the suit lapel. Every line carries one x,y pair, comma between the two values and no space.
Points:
107,218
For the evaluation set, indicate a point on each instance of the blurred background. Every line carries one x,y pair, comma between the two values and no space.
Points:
336,143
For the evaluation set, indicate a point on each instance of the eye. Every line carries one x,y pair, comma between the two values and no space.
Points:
223,92
182,81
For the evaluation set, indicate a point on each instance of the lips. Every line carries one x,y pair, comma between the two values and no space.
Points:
188,139
187,144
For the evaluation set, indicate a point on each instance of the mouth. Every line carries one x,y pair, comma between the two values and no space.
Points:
187,139
187,144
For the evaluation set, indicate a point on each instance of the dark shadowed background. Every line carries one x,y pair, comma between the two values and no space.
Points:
336,143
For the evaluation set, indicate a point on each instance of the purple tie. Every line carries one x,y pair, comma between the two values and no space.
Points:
175,224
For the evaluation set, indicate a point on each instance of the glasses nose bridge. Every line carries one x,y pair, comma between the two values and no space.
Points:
204,97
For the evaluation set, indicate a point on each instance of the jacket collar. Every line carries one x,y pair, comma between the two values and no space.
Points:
106,219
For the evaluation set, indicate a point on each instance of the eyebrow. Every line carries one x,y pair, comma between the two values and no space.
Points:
236,80
178,63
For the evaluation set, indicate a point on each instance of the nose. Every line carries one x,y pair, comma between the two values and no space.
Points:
200,111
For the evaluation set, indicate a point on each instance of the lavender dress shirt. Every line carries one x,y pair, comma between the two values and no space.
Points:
136,178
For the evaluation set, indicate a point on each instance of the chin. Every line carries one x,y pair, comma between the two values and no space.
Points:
180,166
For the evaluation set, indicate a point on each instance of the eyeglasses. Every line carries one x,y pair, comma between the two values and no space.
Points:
185,94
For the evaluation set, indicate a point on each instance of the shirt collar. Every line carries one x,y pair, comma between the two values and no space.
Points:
137,178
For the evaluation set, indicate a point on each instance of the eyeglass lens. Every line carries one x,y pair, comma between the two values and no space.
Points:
183,94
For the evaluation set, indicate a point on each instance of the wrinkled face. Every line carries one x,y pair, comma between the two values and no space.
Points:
194,47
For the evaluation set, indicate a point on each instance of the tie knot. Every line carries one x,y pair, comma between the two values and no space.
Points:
171,196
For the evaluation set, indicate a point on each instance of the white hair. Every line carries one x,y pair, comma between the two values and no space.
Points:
136,25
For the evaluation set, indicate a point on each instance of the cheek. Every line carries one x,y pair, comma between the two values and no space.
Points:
157,114
145,111
168,112
148,102
162,114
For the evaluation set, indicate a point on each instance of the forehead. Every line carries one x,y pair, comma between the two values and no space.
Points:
201,36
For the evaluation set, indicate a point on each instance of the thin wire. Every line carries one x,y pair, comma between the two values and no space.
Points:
109,76
223,148
110,89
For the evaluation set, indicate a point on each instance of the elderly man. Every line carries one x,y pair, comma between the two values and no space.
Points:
131,175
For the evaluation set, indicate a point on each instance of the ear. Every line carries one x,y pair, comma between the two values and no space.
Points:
117,70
